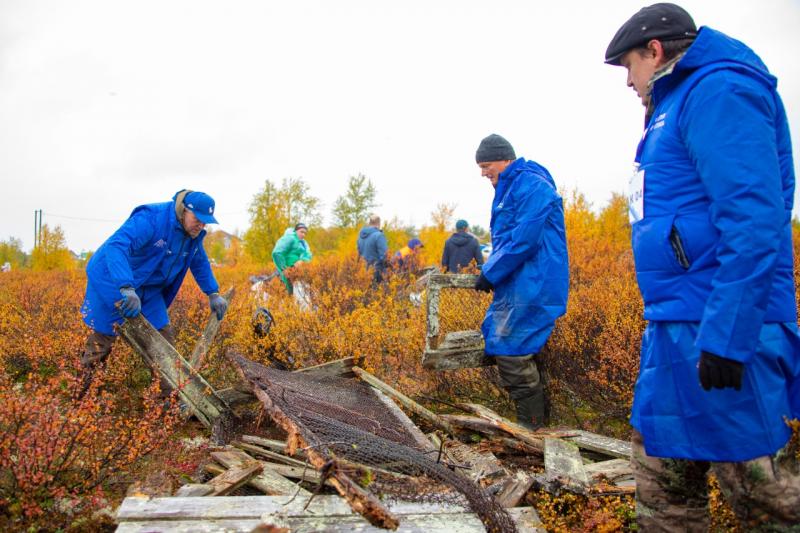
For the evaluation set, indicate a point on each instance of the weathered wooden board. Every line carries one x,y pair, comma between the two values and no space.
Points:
193,390
212,327
562,460
473,424
514,489
233,396
268,481
270,444
194,489
481,464
234,478
602,444
614,470
263,452
325,513
413,430
404,400
528,437
340,368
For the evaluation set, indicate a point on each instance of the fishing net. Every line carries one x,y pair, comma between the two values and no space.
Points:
358,436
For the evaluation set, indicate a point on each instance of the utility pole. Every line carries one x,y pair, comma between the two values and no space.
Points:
37,228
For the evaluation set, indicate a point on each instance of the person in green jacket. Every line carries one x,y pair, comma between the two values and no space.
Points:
291,249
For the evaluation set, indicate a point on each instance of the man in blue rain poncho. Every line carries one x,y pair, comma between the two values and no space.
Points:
711,207
528,271
142,266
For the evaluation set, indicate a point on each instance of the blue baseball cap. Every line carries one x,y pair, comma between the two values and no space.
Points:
202,205
414,243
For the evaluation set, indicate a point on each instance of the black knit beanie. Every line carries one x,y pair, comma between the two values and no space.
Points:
494,148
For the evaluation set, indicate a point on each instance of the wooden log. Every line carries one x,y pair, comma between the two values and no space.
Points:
473,423
528,437
339,368
160,355
405,401
361,501
602,444
563,460
204,342
270,444
195,489
234,478
268,481
514,489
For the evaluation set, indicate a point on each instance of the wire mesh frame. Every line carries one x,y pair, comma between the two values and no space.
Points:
454,311
354,452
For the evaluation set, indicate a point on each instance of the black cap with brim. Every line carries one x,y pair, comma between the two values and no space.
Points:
664,22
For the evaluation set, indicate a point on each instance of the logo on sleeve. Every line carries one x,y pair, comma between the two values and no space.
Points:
160,243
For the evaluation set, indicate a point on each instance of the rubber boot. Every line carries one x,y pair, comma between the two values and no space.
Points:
530,411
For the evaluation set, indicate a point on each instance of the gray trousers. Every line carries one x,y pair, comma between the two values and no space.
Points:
519,376
98,348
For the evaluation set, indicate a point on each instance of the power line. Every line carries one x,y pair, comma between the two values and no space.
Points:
83,218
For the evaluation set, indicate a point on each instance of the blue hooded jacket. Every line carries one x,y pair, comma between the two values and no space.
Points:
150,252
372,245
528,266
711,208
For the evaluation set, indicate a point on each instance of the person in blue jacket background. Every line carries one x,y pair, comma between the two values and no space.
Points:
142,265
710,205
372,247
528,270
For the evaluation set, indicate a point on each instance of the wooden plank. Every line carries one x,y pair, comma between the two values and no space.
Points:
279,457
195,489
425,523
310,475
233,396
361,501
482,465
161,512
439,360
204,342
160,355
404,400
340,368
268,481
410,427
614,470
514,489
234,478
452,281
562,460
602,444
270,444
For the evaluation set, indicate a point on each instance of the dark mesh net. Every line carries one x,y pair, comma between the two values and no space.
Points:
347,423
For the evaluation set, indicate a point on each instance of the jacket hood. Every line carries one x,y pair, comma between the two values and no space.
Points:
714,47
461,239
290,231
367,231
521,165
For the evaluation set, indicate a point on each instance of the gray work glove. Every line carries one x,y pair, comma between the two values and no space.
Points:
131,304
218,304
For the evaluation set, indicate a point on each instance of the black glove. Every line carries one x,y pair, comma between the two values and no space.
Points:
131,304
719,372
218,305
483,284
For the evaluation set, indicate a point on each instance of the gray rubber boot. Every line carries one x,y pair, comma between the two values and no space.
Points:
530,410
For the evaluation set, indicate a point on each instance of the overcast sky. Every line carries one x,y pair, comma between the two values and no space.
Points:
105,105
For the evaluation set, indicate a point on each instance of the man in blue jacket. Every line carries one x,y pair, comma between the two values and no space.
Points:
372,247
461,249
710,205
142,265
528,270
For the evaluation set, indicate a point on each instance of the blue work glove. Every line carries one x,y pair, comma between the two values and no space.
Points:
218,304
719,372
131,304
483,284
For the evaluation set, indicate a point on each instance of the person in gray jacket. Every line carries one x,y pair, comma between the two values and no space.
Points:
372,246
460,249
